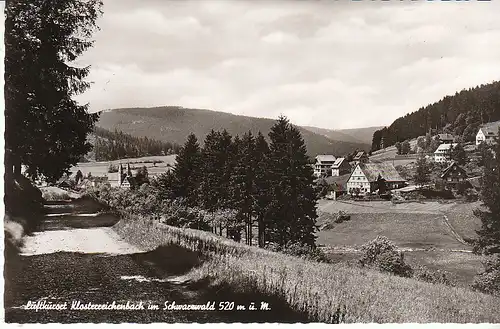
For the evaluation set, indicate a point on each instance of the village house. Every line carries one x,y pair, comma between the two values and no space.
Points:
337,185
340,167
369,177
445,138
487,133
360,157
443,153
323,165
453,175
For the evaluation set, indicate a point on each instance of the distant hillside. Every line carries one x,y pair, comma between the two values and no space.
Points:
460,114
113,145
174,124
355,135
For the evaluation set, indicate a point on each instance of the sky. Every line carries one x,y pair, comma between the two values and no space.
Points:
330,64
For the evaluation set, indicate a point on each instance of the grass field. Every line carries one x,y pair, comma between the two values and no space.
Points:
101,168
318,289
406,230
353,207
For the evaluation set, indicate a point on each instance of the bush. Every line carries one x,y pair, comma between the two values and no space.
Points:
488,281
112,168
382,254
55,196
342,216
425,274
303,251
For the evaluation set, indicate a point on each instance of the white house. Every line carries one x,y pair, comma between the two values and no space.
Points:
340,167
323,165
487,133
366,177
443,153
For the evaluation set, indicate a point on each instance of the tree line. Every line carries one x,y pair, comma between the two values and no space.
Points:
460,114
267,184
114,145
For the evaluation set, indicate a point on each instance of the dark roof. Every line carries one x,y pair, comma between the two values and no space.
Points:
338,163
385,169
450,168
338,180
359,155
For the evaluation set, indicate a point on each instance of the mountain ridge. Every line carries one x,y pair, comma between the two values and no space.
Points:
174,123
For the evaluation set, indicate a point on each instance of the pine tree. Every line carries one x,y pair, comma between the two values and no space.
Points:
45,129
261,196
187,171
458,154
211,172
293,205
422,173
488,241
243,181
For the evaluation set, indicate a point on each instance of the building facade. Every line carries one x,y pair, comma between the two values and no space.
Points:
453,174
487,134
367,177
443,153
323,165
340,167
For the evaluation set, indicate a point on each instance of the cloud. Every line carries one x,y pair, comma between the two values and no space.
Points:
328,64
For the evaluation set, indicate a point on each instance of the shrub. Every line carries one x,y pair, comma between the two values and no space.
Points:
382,254
489,280
425,274
342,216
55,196
303,251
112,168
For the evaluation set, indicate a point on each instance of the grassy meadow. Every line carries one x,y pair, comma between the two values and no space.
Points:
101,168
323,291
418,228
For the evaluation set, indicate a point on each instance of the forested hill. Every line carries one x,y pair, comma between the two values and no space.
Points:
460,114
114,145
174,124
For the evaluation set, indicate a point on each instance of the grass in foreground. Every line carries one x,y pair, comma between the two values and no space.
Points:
319,289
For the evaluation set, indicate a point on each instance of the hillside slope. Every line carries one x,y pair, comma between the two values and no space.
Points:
354,135
460,114
173,124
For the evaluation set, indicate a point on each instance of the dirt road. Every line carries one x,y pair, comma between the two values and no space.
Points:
75,257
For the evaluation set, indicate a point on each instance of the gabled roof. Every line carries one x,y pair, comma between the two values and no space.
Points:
338,163
325,158
338,180
450,168
359,155
386,170
445,146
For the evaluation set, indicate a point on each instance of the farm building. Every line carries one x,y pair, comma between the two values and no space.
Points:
487,133
370,177
360,157
340,167
445,138
443,153
323,165
453,174
338,184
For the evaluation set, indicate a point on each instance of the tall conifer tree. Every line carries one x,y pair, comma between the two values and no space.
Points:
293,206
262,196
187,171
489,233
